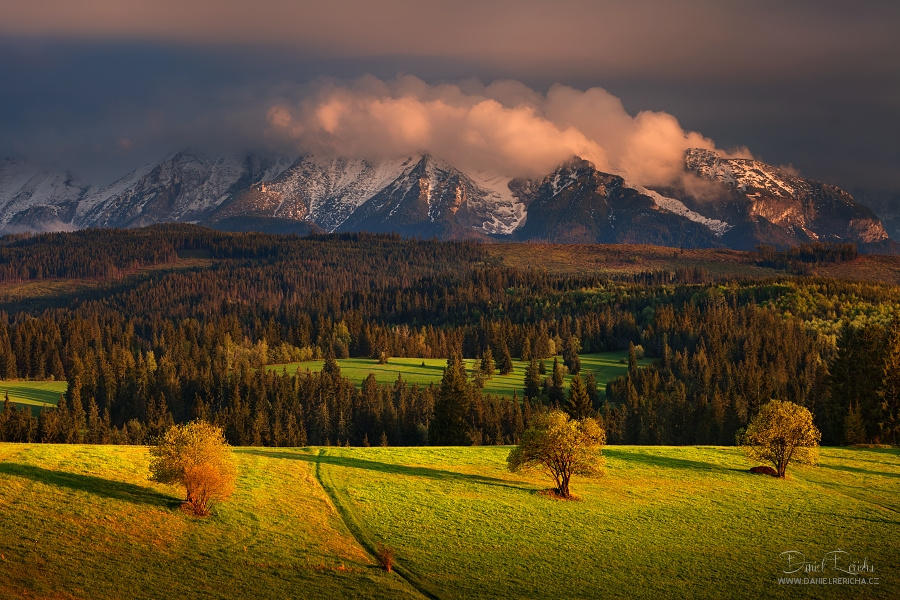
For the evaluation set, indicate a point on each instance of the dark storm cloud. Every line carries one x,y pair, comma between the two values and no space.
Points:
113,81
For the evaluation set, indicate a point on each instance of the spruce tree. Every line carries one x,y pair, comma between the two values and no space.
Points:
571,348
556,393
487,363
590,382
449,425
506,364
532,380
330,367
579,403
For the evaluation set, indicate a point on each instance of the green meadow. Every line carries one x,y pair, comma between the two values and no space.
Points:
662,522
36,394
606,366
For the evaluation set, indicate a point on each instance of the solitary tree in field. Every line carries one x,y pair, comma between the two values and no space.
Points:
196,456
781,433
561,447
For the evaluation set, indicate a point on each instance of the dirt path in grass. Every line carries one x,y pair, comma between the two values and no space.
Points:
353,526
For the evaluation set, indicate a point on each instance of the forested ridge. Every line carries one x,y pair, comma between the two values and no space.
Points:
174,345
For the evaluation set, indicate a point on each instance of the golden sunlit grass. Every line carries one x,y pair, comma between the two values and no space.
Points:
85,522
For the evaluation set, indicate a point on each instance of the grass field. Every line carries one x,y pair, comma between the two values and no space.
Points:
36,394
605,365
663,522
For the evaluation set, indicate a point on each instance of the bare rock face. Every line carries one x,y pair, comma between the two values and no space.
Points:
773,205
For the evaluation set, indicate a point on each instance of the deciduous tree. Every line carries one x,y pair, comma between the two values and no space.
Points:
561,447
781,433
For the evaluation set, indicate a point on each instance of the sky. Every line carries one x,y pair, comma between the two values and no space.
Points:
100,86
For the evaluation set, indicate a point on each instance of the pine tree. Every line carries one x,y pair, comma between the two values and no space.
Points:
632,359
889,421
330,367
579,403
571,348
532,380
556,394
854,427
590,383
526,349
93,423
506,363
487,363
449,425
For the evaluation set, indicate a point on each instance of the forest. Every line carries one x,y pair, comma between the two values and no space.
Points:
142,348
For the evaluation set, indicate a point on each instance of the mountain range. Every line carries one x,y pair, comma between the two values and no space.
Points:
736,203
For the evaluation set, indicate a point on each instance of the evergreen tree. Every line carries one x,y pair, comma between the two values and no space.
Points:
506,364
555,393
889,419
487,363
590,383
449,425
532,380
579,403
570,350
330,367
526,349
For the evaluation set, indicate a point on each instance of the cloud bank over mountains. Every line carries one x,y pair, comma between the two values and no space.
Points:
503,127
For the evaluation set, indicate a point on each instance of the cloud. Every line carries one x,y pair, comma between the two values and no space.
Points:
505,127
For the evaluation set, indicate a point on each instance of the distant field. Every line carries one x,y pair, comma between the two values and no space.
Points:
606,367
663,522
58,288
613,259
36,394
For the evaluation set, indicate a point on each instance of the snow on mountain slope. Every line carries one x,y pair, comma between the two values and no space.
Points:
505,211
184,187
804,210
432,197
29,192
743,202
677,207
327,190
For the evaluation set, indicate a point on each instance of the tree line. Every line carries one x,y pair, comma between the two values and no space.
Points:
177,345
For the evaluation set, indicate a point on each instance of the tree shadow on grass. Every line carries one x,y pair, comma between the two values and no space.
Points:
670,462
387,468
106,488
850,469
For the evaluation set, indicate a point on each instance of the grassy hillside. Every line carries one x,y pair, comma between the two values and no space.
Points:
605,365
35,394
84,522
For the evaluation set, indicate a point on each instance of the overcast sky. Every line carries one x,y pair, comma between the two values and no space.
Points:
101,85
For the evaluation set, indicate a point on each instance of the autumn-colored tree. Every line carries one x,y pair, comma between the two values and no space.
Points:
196,456
781,433
561,447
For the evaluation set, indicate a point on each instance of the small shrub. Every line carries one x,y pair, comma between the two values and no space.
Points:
764,470
385,556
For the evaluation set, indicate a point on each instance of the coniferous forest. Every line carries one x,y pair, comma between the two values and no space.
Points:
166,324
